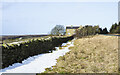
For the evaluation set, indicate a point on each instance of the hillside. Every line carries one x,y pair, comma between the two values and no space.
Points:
95,54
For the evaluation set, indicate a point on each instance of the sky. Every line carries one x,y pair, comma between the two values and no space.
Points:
21,18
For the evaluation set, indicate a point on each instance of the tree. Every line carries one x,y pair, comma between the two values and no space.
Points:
118,29
119,23
115,28
87,30
96,29
105,31
58,30
100,30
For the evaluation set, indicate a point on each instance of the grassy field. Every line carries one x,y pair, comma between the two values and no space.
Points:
95,54
26,39
23,39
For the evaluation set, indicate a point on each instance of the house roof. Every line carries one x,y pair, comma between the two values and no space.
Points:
69,27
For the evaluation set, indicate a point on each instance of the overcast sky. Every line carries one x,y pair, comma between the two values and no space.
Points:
41,17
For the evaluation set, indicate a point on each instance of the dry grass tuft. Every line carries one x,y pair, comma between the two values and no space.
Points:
98,54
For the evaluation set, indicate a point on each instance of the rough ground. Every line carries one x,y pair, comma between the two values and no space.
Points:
97,54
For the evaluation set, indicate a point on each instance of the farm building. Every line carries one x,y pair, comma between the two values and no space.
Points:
70,30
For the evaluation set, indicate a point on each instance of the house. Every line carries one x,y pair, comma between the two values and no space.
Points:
70,30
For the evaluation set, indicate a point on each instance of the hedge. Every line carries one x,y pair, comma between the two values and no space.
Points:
16,53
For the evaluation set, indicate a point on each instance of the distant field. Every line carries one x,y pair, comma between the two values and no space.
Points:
5,37
15,38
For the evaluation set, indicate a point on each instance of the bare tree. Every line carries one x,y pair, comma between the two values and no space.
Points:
58,30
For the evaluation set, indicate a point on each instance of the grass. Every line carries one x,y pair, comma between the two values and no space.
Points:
23,39
93,54
61,48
